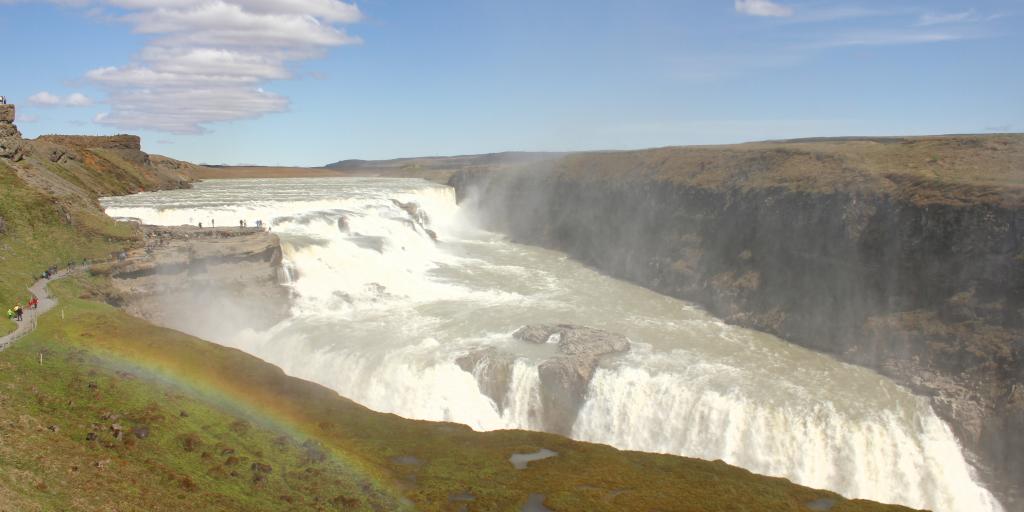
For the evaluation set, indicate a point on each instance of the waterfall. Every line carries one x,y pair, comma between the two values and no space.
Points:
382,311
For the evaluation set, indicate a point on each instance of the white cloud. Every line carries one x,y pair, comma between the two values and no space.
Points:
45,99
77,99
762,8
938,19
968,16
207,60
894,37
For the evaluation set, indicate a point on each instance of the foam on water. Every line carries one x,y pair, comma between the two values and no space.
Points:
381,312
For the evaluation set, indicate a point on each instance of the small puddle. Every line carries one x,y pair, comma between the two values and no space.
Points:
520,460
406,460
821,504
535,503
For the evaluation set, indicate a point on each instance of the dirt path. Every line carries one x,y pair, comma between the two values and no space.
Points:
46,303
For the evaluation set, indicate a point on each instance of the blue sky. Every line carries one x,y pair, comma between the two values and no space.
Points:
307,82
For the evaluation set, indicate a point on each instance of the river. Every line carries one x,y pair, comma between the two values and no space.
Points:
380,312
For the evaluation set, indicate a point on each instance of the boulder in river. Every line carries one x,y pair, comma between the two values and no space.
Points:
563,378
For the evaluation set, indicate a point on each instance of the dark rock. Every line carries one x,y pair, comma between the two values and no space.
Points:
563,378
417,214
493,371
575,340
141,432
7,114
91,436
563,384
13,148
536,333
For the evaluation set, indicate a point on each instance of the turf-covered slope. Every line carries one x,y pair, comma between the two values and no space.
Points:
122,415
49,214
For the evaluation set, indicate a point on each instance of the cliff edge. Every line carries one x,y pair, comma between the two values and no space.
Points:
902,254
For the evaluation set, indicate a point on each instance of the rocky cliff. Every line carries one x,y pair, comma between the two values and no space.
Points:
202,281
904,254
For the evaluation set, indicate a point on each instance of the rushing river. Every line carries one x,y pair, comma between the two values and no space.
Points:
380,312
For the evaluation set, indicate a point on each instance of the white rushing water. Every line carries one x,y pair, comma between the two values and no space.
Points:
380,312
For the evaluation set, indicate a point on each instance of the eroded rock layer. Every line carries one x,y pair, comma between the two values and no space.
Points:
203,280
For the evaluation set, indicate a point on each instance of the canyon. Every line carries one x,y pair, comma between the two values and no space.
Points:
900,254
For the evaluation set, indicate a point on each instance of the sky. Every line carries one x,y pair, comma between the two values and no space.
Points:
309,82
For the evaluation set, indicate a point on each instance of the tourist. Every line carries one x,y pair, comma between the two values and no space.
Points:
200,225
18,312
10,314
33,302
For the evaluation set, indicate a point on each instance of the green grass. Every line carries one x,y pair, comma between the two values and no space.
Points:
39,234
98,361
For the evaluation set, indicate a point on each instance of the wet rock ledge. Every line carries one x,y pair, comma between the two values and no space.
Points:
564,377
202,281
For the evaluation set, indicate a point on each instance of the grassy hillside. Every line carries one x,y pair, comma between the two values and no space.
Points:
49,208
211,428
41,230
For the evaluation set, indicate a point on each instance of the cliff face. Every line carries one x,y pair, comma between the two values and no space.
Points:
821,243
202,281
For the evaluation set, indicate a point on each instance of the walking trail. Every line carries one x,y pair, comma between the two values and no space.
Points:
46,303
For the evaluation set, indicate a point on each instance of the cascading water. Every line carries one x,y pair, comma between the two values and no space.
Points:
381,313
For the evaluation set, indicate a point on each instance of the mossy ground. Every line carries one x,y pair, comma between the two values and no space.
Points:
41,231
253,438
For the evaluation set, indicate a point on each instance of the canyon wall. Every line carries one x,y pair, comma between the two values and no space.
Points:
214,282
903,255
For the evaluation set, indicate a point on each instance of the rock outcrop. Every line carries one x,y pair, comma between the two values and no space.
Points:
563,377
11,146
209,281
121,141
850,247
